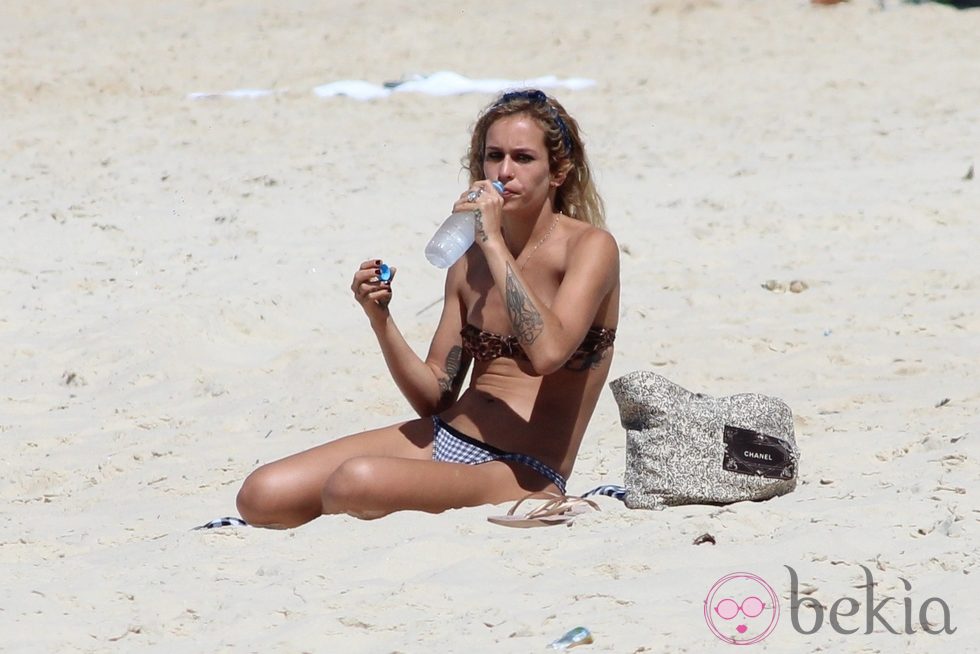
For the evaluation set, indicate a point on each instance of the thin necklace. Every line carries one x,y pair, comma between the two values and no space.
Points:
543,239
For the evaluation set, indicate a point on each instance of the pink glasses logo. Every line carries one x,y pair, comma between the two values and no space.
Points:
741,609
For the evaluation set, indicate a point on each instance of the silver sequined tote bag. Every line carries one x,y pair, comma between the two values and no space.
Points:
690,448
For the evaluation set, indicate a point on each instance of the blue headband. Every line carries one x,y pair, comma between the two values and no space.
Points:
536,96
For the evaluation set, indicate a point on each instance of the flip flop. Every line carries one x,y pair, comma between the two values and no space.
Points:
558,510
222,522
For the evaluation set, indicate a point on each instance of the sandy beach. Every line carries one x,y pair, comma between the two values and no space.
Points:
175,309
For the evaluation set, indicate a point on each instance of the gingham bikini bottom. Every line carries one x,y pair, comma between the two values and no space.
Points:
453,446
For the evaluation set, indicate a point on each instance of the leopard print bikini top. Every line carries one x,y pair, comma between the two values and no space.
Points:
485,346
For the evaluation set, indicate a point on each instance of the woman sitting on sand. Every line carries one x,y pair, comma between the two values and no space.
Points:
534,306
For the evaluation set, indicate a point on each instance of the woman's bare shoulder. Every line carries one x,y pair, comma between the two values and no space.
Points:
593,241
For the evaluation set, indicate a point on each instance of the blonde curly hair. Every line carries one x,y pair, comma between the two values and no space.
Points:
577,196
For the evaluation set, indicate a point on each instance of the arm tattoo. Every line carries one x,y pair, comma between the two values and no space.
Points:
445,385
524,317
455,371
480,232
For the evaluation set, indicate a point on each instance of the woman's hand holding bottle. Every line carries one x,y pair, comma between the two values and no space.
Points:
476,215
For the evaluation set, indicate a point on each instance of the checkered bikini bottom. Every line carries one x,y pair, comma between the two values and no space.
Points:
453,446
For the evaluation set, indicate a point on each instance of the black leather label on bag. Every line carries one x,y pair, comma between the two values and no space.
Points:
748,452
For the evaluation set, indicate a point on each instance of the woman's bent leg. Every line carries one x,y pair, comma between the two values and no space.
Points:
288,492
374,486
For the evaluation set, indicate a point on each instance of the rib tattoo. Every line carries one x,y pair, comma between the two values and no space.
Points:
524,317
588,362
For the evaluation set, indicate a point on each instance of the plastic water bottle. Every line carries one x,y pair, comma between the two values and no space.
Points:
454,237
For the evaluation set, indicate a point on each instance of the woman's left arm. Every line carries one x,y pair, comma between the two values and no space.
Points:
550,335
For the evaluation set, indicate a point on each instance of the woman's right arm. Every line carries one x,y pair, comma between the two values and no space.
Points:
432,385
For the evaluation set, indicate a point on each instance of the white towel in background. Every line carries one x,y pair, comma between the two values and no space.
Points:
441,83
450,83
237,93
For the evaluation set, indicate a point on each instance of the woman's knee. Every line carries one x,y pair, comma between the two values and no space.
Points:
264,497
253,494
353,489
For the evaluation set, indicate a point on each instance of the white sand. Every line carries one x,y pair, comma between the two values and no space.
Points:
186,265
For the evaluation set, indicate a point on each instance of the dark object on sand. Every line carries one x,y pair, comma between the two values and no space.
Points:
959,4
704,538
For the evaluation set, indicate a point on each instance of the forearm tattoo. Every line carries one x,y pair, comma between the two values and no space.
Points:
480,232
455,371
524,317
